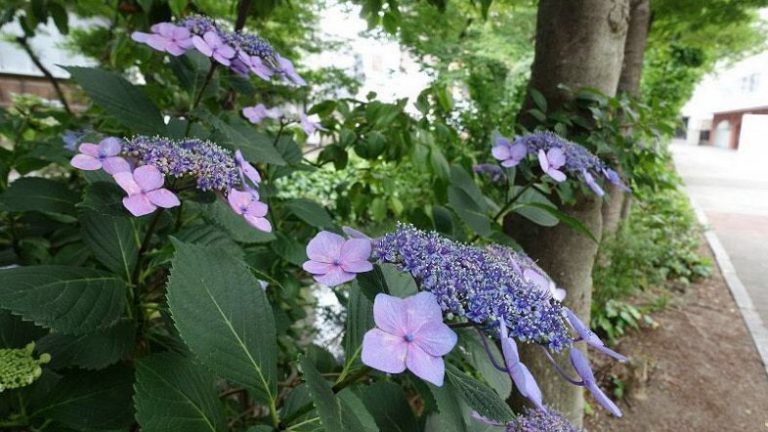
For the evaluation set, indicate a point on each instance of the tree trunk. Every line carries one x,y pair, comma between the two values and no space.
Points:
629,82
578,44
567,257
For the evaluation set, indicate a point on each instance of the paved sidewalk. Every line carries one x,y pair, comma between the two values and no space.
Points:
731,188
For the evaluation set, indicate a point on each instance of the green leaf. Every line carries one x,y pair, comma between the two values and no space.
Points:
220,214
209,236
39,194
387,404
90,400
571,221
399,284
359,321
310,212
178,6
120,98
450,418
67,299
104,198
354,415
288,248
533,214
16,333
224,317
113,240
478,395
462,180
475,354
322,396
372,283
174,394
255,146
95,350
539,100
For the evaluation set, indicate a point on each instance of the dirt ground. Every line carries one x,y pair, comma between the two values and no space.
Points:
697,372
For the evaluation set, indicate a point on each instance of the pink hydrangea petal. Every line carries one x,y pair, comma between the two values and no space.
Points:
89,149
226,51
421,309
148,177
536,278
260,223
356,266
390,314
518,151
253,114
335,277
509,348
125,180
114,165
325,247
527,385
556,175
257,209
355,250
157,42
239,201
139,204
435,338
163,198
556,157
140,37
85,162
212,39
174,49
543,162
201,46
383,351
164,29
221,58
427,367
110,146
180,33
509,163
317,268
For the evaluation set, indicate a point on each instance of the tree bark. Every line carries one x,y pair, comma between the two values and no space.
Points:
578,44
629,82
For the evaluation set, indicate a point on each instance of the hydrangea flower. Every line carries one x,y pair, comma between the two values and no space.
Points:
247,170
509,154
211,45
519,372
247,205
19,368
409,334
551,161
255,114
166,37
544,283
590,181
493,171
288,72
309,126
334,260
482,285
540,420
145,190
581,365
104,155
590,337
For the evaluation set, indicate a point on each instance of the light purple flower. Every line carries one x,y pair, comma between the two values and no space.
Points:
166,37
247,205
355,234
551,162
255,114
247,170
334,261
409,333
211,45
256,65
581,365
492,170
145,190
543,283
286,68
592,183
308,125
614,177
520,374
104,155
590,337
507,153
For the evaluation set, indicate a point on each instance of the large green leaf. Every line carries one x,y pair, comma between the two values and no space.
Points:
90,400
256,147
533,214
322,396
120,98
449,418
387,404
236,226
174,394
114,241
67,299
104,198
16,333
39,194
224,317
478,395
359,321
95,350
354,415
567,219
310,212
462,180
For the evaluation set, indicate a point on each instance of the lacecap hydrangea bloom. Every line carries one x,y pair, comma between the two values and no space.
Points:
540,420
242,53
141,164
557,157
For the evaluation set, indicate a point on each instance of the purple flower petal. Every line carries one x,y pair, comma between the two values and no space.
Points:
384,351
335,277
325,247
543,161
501,151
163,198
422,308
356,266
556,157
435,338
138,204
317,268
114,165
260,223
148,177
200,44
110,146
239,201
427,367
85,162
355,250
256,209
89,149
125,180
390,314
592,183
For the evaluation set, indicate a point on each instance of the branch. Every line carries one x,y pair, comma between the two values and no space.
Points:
243,7
22,40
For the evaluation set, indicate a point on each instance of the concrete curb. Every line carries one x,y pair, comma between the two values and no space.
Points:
754,323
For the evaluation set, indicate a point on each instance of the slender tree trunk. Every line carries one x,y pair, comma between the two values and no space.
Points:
578,44
629,82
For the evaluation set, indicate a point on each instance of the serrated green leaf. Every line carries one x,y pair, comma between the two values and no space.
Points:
387,404
256,147
569,220
478,395
113,240
224,317
95,350
399,283
533,214
70,300
476,355
354,415
310,212
105,198
16,333
39,194
120,98
98,400
449,417
328,407
359,320
174,394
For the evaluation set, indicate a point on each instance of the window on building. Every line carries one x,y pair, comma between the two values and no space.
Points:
749,83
